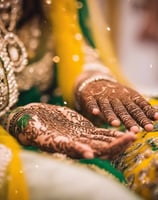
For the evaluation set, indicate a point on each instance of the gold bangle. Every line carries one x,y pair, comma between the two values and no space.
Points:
94,79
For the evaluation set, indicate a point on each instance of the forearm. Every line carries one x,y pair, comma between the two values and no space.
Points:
93,70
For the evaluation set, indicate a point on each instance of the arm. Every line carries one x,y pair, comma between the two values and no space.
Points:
60,129
99,95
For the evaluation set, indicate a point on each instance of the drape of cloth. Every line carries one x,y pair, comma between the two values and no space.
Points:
37,176
139,163
15,184
56,178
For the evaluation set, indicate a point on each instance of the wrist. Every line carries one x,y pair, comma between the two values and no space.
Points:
93,70
85,79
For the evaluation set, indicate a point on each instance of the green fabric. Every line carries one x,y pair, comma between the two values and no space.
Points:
106,165
84,22
33,95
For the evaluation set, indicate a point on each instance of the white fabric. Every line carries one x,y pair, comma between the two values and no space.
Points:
51,179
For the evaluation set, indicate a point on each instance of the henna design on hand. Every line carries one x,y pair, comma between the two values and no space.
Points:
113,102
60,129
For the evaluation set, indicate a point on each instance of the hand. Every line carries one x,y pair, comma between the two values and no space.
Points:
113,102
59,129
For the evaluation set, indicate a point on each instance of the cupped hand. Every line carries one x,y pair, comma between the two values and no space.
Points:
60,129
115,103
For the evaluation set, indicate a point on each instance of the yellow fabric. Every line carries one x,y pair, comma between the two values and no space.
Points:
68,45
154,102
103,42
17,187
144,171
139,162
68,40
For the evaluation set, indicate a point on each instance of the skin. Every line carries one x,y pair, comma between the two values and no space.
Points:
115,103
60,129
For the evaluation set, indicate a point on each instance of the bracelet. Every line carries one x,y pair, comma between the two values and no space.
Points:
94,79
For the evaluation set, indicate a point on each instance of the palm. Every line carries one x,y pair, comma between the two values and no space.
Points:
59,129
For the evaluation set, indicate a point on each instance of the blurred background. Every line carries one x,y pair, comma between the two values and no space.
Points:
138,57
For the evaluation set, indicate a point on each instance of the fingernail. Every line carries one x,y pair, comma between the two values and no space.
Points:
95,111
156,115
88,155
115,122
134,129
148,127
133,136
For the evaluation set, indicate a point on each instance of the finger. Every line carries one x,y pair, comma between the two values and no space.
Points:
150,111
91,105
103,135
72,148
107,112
108,132
125,117
98,146
103,149
111,136
101,138
139,116
117,147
